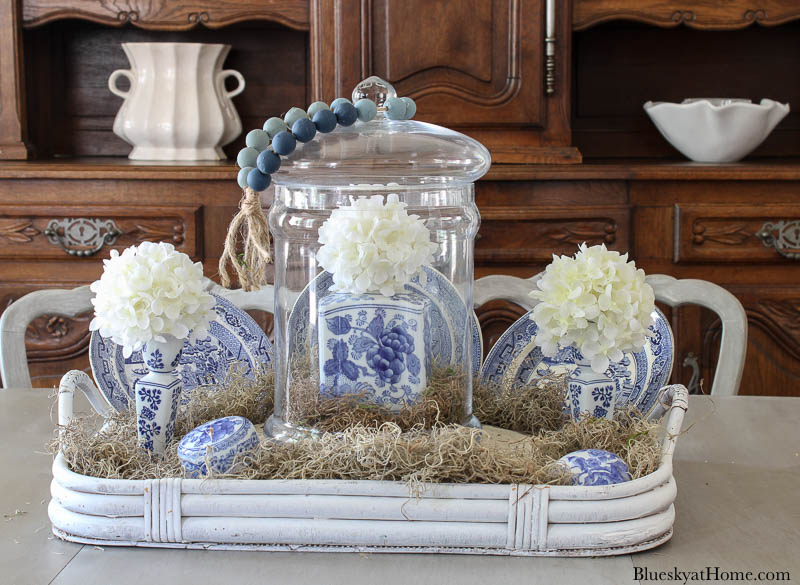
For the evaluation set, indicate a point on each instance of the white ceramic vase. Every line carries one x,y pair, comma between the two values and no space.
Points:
589,393
177,107
158,394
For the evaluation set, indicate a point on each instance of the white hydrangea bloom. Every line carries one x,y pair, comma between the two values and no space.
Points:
596,301
374,246
148,292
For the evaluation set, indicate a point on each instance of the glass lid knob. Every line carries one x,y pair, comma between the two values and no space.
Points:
376,89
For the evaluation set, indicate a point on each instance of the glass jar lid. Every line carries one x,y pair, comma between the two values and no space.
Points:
383,151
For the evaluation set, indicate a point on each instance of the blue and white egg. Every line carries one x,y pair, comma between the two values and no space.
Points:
595,467
219,443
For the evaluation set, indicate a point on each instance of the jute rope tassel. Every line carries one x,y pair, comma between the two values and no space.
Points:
251,223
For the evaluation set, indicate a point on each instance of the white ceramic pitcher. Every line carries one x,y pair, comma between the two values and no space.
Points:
177,107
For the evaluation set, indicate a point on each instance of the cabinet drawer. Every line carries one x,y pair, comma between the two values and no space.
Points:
532,236
737,233
47,232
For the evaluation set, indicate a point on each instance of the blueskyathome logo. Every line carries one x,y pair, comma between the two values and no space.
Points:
709,574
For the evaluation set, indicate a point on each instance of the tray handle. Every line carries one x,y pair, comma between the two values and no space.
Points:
674,400
76,379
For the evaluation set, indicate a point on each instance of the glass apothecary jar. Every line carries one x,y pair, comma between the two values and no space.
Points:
355,212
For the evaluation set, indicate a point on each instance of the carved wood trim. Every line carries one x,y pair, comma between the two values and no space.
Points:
154,233
13,126
705,15
728,232
781,320
579,234
730,235
773,355
168,14
20,232
52,338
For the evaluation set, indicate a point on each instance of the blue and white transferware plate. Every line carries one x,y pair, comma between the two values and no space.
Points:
516,360
233,336
448,316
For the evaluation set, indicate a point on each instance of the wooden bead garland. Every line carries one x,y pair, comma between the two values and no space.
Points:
279,137
262,157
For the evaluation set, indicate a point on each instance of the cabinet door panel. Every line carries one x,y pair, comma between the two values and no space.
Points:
478,66
473,60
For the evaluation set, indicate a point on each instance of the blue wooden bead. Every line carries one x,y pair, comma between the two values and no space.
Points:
411,107
283,143
247,157
316,107
257,180
268,162
274,125
304,130
293,115
366,109
338,101
346,113
242,177
257,139
395,109
325,121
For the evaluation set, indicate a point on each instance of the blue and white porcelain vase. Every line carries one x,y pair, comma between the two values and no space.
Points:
158,394
375,345
590,393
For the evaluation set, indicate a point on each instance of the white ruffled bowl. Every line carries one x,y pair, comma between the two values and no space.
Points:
716,129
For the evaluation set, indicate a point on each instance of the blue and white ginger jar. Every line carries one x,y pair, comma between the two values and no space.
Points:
375,344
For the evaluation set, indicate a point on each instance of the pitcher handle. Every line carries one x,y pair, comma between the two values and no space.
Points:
231,73
112,82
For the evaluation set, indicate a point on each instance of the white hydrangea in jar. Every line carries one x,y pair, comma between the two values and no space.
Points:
373,333
598,303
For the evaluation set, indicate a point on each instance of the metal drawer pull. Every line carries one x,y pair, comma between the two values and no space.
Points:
782,235
80,236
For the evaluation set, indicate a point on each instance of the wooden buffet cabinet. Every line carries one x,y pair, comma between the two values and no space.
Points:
553,88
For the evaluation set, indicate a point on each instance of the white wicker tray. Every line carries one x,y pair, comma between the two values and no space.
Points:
381,516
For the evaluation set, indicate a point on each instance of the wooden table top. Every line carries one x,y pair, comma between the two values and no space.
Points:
737,467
